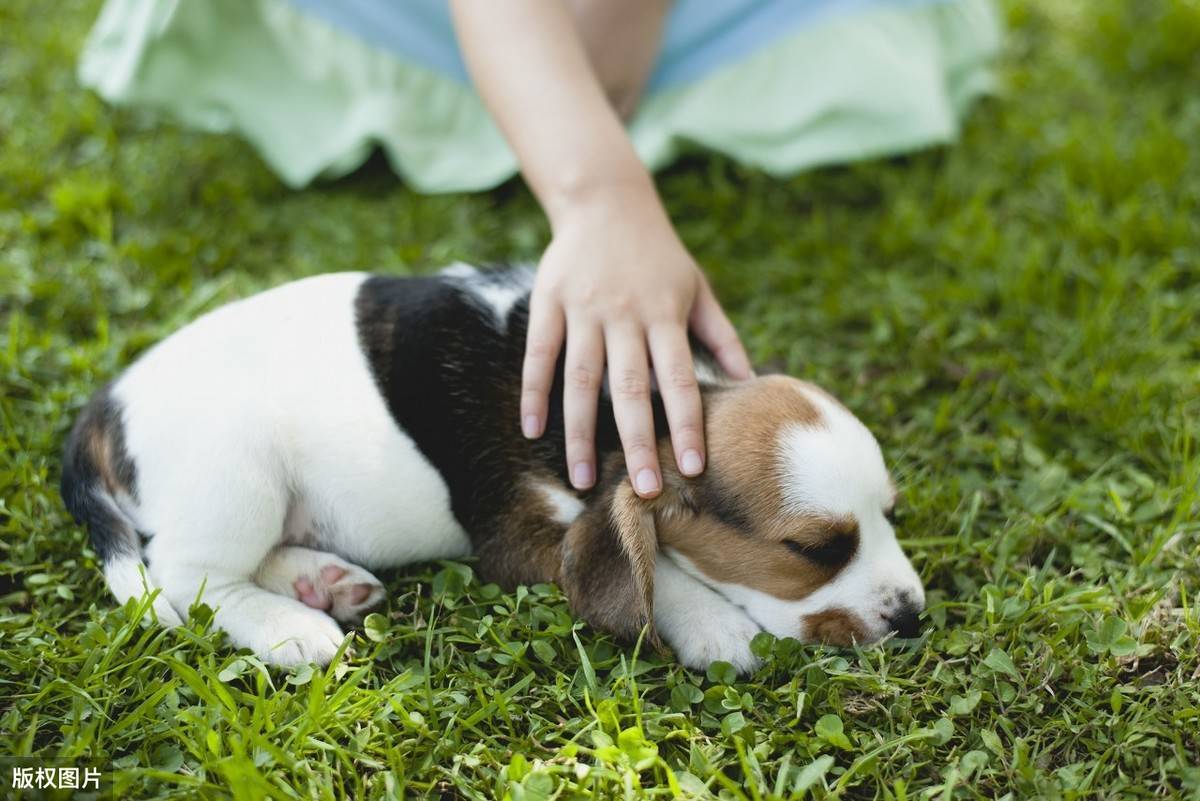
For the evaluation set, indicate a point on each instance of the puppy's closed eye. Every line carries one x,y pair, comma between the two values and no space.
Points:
834,552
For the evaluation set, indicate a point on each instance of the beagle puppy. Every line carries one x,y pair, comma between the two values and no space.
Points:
269,455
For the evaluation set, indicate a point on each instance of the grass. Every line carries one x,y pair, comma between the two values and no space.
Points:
1015,317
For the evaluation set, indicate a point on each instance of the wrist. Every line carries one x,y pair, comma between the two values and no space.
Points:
631,195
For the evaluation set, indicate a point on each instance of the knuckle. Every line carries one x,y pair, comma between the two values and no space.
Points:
687,429
581,377
638,450
669,309
578,439
680,377
727,346
535,390
631,385
540,347
622,300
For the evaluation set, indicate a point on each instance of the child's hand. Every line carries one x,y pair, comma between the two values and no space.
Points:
620,286
616,281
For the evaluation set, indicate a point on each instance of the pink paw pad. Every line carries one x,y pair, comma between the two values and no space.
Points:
328,592
309,596
332,574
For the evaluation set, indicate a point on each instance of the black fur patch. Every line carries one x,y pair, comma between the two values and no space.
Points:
835,552
723,505
95,465
452,382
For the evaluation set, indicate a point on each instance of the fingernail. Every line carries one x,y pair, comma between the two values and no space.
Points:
581,476
691,463
530,426
646,481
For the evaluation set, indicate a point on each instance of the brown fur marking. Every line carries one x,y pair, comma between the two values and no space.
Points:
636,533
744,428
744,425
836,627
729,556
528,547
104,443
607,562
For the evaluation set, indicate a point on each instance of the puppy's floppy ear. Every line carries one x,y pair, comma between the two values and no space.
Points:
608,560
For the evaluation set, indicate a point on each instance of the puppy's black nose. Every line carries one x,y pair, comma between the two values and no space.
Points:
906,621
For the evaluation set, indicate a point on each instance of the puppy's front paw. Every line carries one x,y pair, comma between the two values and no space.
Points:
702,626
299,637
719,638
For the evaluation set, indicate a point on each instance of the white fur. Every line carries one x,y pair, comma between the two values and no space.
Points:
293,444
126,577
565,505
698,623
496,292
709,375
834,467
459,269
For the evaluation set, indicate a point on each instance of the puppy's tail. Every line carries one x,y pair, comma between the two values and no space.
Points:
97,475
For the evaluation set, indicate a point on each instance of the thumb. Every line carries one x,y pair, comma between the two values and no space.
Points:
710,325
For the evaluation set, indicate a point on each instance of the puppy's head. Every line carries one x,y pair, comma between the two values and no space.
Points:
790,522
791,519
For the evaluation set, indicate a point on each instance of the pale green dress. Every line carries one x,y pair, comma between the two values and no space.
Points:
316,85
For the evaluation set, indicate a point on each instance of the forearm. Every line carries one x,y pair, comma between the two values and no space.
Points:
615,287
530,67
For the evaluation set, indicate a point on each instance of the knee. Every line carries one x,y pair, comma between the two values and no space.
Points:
621,39
624,98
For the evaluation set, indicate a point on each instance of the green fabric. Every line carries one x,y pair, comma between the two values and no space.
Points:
315,101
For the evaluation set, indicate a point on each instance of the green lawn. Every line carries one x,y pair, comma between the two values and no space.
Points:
1016,317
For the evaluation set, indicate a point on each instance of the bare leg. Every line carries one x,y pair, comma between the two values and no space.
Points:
622,39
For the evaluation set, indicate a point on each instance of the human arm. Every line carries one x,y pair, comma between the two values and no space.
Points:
616,282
